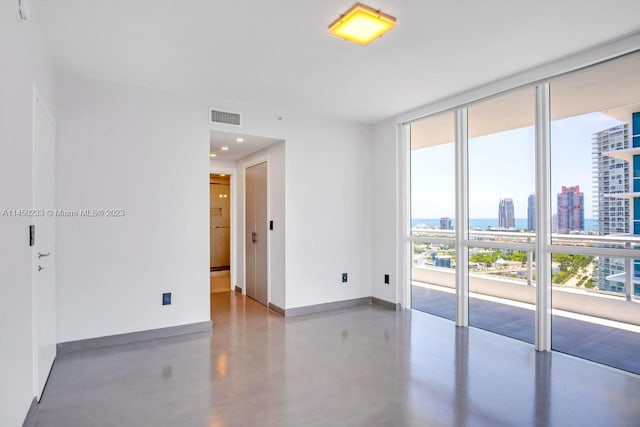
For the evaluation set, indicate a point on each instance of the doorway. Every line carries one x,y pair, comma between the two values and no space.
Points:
256,218
220,232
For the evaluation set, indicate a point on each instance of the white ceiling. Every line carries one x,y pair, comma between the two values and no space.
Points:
277,54
237,149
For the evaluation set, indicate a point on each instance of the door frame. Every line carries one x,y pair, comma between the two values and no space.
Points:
232,172
38,102
244,166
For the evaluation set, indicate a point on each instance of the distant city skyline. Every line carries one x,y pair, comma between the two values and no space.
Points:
531,212
570,209
506,217
501,165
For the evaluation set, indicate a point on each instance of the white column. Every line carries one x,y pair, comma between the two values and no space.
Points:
462,218
404,264
543,219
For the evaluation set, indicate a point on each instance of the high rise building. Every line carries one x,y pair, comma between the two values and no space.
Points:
570,210
610,176
622,180
506,218
531,212
445,223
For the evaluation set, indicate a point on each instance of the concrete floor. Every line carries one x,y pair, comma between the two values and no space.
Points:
365,366
602,344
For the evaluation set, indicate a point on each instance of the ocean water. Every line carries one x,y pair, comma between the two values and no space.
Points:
590,224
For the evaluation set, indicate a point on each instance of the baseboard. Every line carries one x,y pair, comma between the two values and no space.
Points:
387,304
32,414
93,343
318,308
238,289
276,309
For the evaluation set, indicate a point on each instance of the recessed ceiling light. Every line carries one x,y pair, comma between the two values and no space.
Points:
362,24
224,148
239,139
212,155
223,174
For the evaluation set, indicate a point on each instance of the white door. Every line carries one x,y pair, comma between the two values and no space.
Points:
256,232
43,257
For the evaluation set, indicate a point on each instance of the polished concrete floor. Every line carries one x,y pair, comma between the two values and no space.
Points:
365,366
599,343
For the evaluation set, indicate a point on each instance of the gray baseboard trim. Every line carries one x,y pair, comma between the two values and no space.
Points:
318,308
387,304
32,414
93,343
276,309
238,289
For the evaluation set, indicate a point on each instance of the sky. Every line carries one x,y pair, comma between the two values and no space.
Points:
502,165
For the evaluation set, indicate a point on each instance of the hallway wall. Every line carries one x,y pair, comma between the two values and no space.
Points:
276,184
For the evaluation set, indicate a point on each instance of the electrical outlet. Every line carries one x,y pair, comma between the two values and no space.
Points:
344,278
386,279
166,298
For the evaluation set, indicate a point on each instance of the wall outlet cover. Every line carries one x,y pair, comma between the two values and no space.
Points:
166,298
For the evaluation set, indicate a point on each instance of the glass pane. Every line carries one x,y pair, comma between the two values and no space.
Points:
594,140
433,278
433,176
501,168
591,317
502,293
595,166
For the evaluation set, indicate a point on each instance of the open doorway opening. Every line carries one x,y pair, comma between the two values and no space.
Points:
220,232
251,170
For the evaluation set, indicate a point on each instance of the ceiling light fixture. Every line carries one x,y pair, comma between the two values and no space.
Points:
223,174
362,24
212,155
224,148
239,139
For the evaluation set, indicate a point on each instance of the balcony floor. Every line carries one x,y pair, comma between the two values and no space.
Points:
603,344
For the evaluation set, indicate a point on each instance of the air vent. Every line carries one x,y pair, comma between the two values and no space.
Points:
224,117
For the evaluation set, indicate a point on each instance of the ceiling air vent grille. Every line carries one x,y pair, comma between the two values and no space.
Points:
224,117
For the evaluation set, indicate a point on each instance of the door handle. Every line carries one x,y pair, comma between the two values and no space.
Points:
41,255
254,237
40,268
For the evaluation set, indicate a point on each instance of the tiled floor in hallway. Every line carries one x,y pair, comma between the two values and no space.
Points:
365,366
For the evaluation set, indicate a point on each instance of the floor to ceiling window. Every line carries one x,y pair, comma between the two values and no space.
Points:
433,215
595,161
562,204
501,165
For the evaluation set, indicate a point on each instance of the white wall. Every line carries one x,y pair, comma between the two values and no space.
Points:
384,209
24,61
328,212
276,189
216,164
146,152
